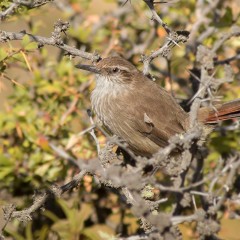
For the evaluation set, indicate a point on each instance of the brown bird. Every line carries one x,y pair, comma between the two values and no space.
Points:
140,112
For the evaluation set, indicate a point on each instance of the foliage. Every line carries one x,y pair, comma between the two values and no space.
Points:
50,97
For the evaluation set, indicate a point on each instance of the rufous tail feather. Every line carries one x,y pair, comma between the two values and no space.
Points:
226,111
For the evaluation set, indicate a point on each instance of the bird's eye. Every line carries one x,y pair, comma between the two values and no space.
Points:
115,70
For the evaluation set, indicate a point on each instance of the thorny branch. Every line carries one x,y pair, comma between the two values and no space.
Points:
174,39
132,181
55,40
40,200
18,3
130,189
202,11
155,16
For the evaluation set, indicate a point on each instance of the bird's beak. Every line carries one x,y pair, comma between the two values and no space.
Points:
89,68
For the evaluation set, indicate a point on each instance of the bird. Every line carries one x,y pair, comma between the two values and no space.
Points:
139,111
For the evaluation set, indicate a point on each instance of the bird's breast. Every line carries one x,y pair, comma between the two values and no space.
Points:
112,110
105,103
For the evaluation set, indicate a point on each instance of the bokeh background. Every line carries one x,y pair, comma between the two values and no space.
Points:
43,102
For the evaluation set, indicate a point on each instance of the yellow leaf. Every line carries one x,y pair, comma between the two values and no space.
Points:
26,60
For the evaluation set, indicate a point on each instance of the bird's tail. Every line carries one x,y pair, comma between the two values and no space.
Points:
226,111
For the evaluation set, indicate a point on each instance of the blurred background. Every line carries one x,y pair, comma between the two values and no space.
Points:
44,99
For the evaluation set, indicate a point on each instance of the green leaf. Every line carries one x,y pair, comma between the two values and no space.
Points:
42,170
25,41
82,33
84,214
28,44
53,173
47,88
227,19
72,214
29,234
14,234
51,215
4,161
3,54
5,3
31,46
4,172
62,228
99,232
42,233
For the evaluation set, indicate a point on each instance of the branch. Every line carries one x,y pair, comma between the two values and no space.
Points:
39,201
18,3
235,32
174,39
155,16
227,60
55,40
234,167
202,12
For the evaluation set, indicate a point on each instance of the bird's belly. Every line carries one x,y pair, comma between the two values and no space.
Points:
143,146
120,125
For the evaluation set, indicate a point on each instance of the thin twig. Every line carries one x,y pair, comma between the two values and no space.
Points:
9,36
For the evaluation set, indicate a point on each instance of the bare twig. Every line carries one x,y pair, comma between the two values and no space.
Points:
173,39
18,3
202,11
155,16
227,60
39,201
235,32
53,41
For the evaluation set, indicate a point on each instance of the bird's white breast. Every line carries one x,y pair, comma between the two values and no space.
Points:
105,97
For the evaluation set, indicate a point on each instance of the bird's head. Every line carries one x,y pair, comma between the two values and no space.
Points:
112,70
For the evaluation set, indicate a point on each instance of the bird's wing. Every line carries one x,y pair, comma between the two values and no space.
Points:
155,113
